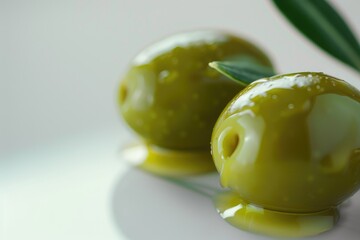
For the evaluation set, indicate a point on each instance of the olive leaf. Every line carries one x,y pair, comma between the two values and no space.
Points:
322,24
243,70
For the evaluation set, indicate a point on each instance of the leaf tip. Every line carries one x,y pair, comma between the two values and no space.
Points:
214,64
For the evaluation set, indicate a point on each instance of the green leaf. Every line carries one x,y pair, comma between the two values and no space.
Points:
243,70
322,24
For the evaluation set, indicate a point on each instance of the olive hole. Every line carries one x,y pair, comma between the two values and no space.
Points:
123,94
230,143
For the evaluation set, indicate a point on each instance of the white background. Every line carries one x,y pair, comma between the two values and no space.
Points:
60,65
61,61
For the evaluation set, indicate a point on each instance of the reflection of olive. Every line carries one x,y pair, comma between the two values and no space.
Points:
171,97
291,143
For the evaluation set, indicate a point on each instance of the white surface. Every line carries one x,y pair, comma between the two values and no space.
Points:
63,191
83,190
60,63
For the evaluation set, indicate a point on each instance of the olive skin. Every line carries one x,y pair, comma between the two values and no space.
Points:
171,97
291,143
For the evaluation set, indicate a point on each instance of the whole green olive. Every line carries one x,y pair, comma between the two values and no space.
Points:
171,97
291,143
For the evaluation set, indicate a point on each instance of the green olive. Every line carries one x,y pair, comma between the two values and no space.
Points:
291,143
171,97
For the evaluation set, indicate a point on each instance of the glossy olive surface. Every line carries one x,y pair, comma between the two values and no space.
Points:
171,97
291,142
